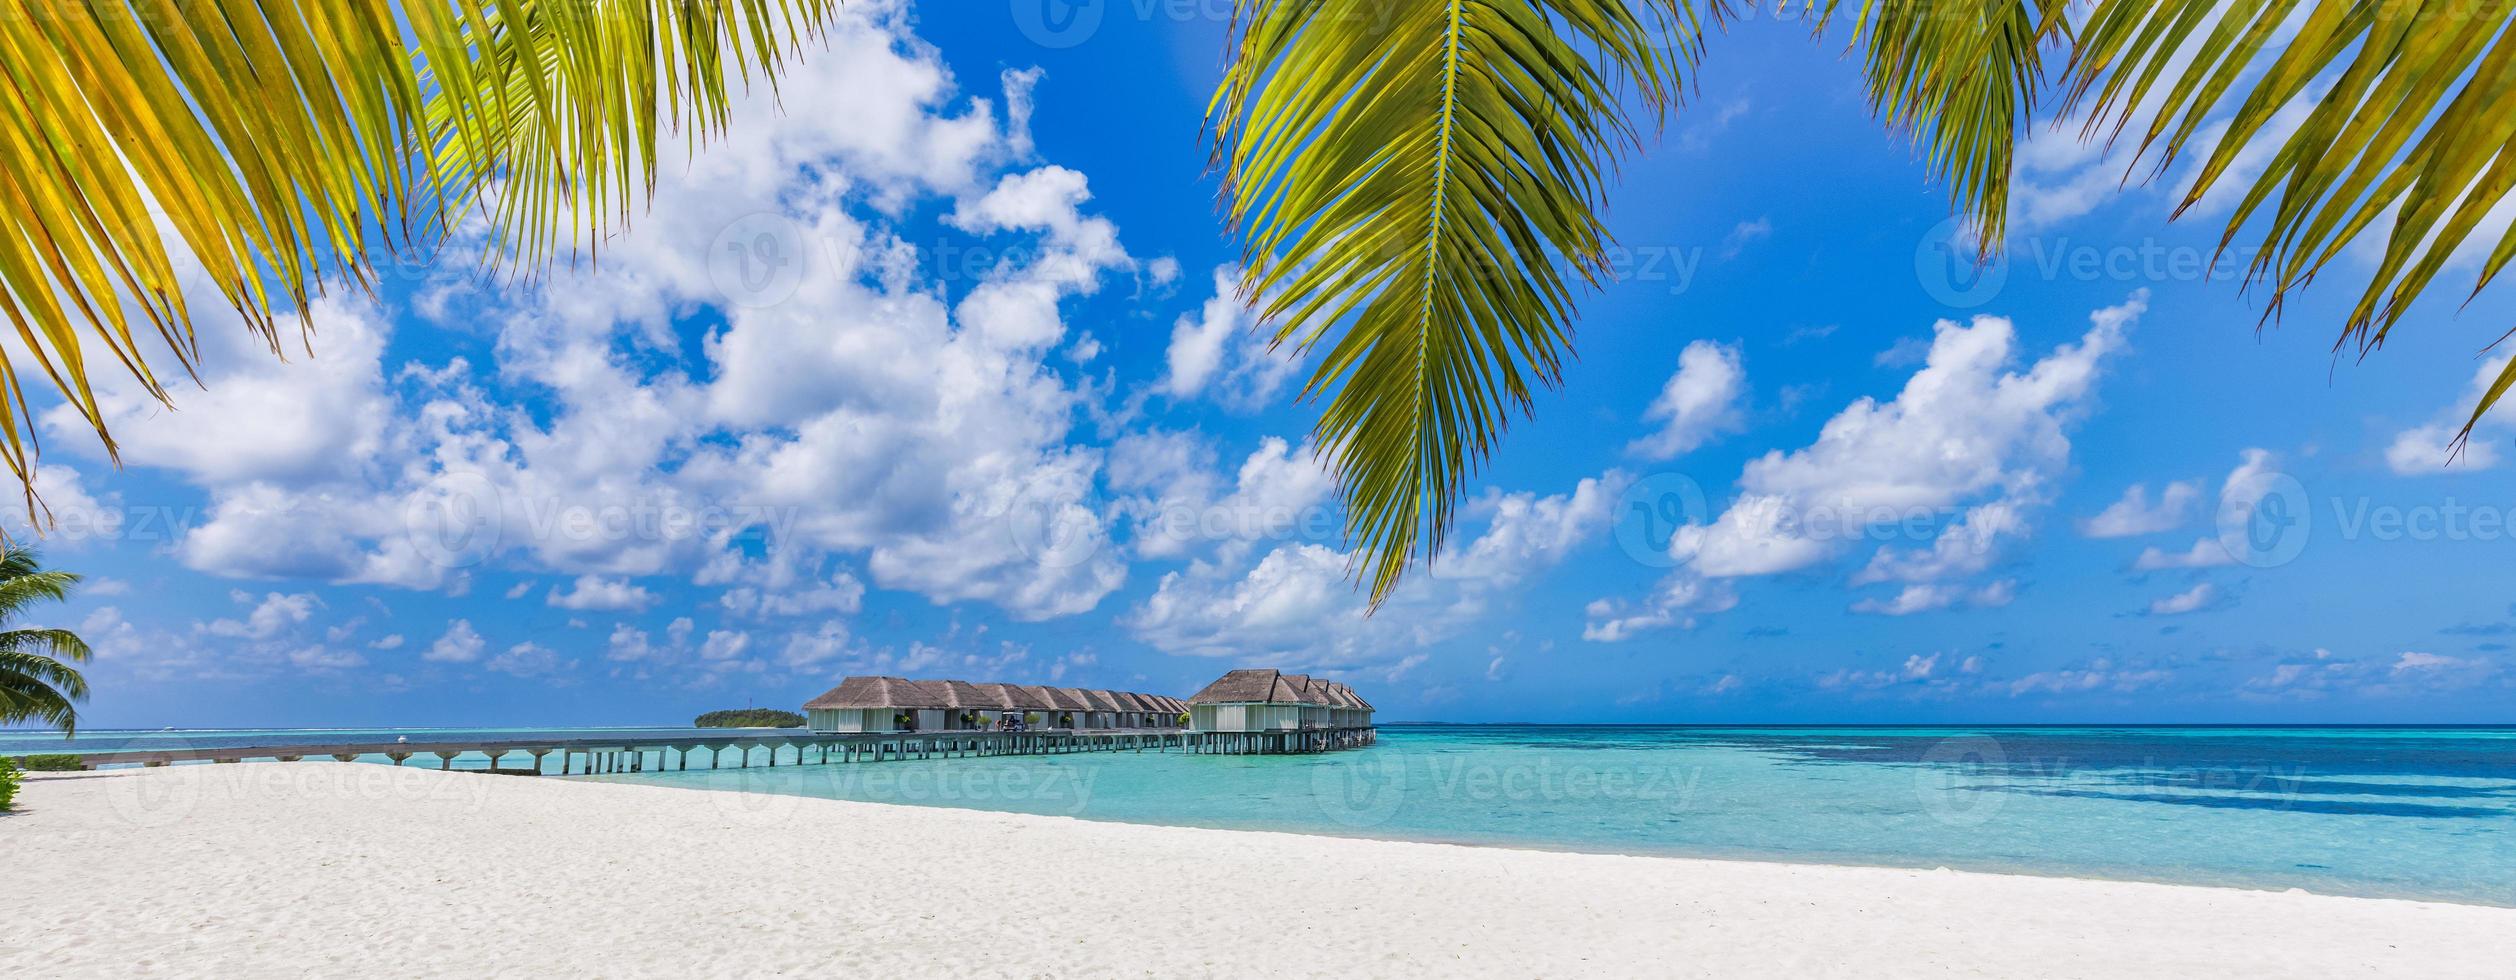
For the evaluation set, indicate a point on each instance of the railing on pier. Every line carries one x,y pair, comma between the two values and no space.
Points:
587,756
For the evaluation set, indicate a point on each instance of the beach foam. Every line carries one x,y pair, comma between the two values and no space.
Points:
327,868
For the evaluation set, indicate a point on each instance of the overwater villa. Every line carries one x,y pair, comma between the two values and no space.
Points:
897,704
1257,700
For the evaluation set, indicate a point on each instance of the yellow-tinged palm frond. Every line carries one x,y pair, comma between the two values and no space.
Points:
1425,175
2409,135
564,104
278,141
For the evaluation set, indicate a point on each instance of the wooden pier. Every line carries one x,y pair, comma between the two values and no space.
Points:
590,756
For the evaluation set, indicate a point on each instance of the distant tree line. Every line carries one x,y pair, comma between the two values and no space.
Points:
750,718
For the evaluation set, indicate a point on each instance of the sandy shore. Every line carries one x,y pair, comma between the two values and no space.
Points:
330,869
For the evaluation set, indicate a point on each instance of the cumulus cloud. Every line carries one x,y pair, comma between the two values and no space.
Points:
2200,597
2426,450
1965,424
2244,488
872,389
1300,602
2135,514
1969,430
2409,673
1699,402
596,593
1220,351
461,644
1928,597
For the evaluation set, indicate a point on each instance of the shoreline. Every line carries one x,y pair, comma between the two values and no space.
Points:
331,868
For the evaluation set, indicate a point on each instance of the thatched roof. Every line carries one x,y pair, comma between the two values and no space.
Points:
1060,698
1015,697
1257,686
897,692
883,692
960,694
1101,700
1247,686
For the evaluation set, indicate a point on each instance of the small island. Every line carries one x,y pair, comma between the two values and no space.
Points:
750,718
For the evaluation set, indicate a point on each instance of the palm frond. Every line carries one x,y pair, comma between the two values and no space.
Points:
562,104
24,700
37,681
2409,135
1963,76
278,142
1418,183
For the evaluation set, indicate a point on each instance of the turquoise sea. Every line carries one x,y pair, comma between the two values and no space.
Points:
2400,812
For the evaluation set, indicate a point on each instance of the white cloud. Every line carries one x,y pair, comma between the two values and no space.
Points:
1221,350
1965,425
1299,602
2205,553
528,659
595,593
461,644
1743,234
1926,597
2410,673
1280,491
1968,430
1676,601
319,414
2195,599
895,403
276,612
2425,450
2243,489
841,595
1699,402
2135,514
2099,676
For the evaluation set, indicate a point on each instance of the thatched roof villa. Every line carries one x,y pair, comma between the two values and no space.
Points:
897,704
1259,700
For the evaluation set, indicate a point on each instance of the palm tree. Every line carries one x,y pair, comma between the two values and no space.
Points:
282,143
37,682
1419,182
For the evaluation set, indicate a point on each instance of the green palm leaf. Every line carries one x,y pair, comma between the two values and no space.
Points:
37,681
2412,118
1427,175
1422,261
1963,76
279,142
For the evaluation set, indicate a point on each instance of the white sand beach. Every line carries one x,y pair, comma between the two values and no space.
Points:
329,869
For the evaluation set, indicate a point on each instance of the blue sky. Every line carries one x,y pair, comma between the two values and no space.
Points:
924,372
